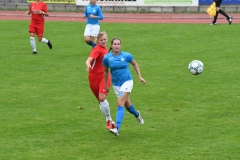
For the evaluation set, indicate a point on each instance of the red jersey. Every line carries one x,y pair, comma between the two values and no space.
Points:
35,8
97,54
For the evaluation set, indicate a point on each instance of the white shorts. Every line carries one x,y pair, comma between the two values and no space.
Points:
126,87
92,30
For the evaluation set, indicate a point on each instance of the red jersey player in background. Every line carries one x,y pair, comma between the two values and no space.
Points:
38,10
96,77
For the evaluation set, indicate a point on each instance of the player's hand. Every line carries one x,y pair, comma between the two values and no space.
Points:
106,88
84,17
40,12
88,67
92,16
142,80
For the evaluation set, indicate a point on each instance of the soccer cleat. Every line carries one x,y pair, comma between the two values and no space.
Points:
34,52
113,125
114,131
230,20
213,23
139,118
49,44
110,125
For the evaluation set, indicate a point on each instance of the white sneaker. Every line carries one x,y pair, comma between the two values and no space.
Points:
230,20
213,23
139,118
114,131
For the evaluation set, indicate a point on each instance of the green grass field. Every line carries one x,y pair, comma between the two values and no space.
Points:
186,117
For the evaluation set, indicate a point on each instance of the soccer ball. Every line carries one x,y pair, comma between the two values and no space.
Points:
195,67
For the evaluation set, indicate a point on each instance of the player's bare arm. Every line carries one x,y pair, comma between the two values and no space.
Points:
88,63
43,13
106,79
135,66
28,12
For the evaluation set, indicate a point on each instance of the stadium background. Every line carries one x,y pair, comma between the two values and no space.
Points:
232,6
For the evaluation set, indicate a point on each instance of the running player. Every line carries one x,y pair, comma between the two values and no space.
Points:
117,61
38,10
93,13
96,77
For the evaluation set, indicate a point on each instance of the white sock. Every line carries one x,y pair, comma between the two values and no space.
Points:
44,40
104,106
33,44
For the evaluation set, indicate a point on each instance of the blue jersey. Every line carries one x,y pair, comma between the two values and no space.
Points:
96,11
119,67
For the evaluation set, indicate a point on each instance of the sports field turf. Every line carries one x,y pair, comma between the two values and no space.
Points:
48,112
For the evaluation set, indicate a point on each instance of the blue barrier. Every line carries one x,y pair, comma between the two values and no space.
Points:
232,2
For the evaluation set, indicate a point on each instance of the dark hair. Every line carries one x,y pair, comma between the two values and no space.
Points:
112,42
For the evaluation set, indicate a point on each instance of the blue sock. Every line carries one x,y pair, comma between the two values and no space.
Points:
89,43
93,45
119,117
132,110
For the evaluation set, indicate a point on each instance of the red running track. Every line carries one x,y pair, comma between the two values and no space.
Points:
126,18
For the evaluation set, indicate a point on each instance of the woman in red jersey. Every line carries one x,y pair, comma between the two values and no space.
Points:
38,10
96,77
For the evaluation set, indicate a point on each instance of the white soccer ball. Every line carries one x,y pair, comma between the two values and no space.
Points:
195,67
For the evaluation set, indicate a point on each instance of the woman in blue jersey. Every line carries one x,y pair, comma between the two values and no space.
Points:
117,61
93,13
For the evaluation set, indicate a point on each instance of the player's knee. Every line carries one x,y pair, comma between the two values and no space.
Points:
120,103
39,39
86,39
102,97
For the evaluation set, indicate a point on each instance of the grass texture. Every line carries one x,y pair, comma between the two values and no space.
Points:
48,112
